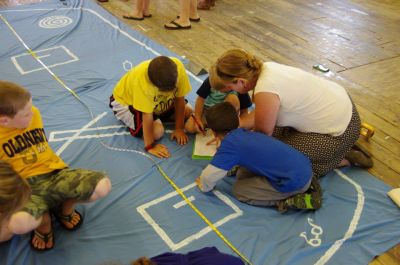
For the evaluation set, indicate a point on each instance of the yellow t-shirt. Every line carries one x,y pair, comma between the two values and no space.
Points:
135,89
27,150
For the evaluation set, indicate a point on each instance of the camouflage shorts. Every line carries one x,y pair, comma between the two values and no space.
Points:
50,190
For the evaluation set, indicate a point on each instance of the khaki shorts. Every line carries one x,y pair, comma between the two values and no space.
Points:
52,189
257,190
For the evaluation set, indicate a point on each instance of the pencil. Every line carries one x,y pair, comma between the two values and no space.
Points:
197,123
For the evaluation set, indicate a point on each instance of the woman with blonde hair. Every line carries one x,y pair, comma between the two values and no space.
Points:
310,113
14,192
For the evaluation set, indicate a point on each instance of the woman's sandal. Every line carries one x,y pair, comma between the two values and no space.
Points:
127,16
132,17
191,19
45,237
173,25
62,219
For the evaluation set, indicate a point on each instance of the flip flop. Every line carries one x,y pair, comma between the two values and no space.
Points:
147,16
45,237
192,19
62,219
176,26
195,19
133,18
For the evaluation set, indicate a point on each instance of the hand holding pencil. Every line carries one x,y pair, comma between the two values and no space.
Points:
199,123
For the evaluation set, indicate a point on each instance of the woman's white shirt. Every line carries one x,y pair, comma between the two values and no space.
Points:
308,103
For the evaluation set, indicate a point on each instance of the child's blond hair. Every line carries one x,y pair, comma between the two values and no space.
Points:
14,191
234,64
12,98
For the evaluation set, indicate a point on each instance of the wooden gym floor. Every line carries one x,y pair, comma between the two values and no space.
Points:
359,40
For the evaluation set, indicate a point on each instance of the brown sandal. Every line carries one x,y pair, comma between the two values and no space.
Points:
359,159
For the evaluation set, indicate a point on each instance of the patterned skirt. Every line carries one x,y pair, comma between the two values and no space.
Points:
325,151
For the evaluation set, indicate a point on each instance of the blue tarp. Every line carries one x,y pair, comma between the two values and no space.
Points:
55,47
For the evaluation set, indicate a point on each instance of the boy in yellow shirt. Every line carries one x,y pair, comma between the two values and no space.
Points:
153,90
24,145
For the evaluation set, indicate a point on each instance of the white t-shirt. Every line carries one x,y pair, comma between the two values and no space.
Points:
308,103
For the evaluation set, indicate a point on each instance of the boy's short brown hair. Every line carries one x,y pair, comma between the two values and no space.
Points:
222,118
163,73
12,98
14,191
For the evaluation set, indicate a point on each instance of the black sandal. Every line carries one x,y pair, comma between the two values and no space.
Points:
176,26
45,237
62,219
191,19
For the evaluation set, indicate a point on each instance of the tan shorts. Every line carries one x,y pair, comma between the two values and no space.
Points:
256,190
